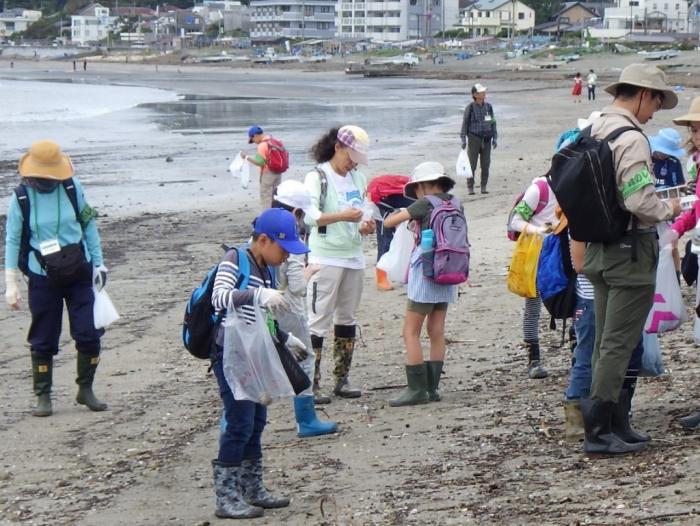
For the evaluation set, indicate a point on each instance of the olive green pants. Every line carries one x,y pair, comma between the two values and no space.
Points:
624,294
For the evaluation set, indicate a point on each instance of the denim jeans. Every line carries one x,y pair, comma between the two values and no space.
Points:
584,324
581,375
245,421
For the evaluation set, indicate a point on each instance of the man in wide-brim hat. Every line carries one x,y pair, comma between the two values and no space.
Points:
623,272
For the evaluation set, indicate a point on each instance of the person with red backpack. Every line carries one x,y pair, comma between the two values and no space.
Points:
429,290
273,160
533,213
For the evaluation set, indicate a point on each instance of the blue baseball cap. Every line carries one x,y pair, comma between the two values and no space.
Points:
281,226
253,131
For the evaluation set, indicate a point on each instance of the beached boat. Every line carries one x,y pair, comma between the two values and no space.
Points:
661,55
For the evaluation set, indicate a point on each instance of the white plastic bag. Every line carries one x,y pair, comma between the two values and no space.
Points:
240,168
252,366
464,169
652,362
103,311
395,261
668,311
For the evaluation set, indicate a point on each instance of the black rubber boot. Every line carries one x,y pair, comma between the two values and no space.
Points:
42,373
691,421
434,370
535,370
87,365
621,420
599,438
417,390
317,345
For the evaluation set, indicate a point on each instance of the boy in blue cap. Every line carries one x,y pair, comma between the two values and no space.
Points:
238,468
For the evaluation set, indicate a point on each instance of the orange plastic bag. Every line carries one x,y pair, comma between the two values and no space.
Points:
522,274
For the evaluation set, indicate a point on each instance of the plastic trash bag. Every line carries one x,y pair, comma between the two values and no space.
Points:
103,311
652,363
240,168
522,274
395,261
252,366
668,311
464,169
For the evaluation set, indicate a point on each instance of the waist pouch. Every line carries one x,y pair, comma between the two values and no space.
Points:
66,267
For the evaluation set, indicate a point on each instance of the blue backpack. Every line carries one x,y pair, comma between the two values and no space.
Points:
556,278
201,321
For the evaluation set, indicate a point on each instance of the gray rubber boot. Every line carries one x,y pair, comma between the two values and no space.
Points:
691,421
254,491
229,498
434,370
42,374
417,390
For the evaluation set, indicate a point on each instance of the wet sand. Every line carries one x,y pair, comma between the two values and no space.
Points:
491,452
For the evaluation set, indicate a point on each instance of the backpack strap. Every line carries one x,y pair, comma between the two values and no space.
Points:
323,179
72,193
619,131
243,267
24,247
543,187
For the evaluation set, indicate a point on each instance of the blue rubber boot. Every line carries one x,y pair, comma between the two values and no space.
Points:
308,424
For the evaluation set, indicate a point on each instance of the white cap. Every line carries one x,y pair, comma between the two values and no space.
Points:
295,194
478,88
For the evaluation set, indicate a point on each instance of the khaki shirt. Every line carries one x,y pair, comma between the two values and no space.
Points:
634,172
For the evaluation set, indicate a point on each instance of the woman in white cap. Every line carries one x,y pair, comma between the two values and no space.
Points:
52,239
292,277
339,216
426,298
689,219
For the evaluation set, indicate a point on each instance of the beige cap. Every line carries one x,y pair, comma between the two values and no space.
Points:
692,116
649,77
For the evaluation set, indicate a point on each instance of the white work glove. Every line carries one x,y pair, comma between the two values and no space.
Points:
538,230
99,277
667,237
271,299
12,295
297,348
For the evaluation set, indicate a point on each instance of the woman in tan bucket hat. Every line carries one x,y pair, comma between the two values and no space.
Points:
688,220
52,239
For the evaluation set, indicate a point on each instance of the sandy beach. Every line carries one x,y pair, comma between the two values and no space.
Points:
491,452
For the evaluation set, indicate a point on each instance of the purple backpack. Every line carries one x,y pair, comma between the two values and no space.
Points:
451,246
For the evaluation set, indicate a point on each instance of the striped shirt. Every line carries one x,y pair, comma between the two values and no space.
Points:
584,288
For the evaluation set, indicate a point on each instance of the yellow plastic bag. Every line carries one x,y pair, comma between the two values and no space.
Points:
522,273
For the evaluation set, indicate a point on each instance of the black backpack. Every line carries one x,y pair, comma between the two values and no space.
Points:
23,199
582,177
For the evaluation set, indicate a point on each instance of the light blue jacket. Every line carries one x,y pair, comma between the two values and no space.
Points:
44,216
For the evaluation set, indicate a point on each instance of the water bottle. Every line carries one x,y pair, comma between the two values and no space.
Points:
695,246
427,242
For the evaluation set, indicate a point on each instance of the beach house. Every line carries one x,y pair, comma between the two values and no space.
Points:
92,24
17,20
655,16
497,17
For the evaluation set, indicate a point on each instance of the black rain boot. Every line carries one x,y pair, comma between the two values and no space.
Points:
87,365
621,420
599,438
434,371
254,491
42,373
343,349
417,390
317,346
691,421
470,185
535,370
229,496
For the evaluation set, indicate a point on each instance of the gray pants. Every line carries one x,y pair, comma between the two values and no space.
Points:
269,181
477,147
624,294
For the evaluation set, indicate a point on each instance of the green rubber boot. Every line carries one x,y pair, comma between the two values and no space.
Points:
87,365
42,373
417,390
434,372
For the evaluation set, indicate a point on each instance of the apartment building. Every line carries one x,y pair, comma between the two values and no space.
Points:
271,19
92,24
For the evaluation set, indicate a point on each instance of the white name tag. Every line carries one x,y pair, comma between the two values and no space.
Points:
487,118
49,246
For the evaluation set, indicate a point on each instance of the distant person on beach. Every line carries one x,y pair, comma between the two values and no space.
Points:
84,65
578,87
427,299
591,80
478,135
267,159
238,467
339,217
62,259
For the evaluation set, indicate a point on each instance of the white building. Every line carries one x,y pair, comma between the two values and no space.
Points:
395,20
272,19
628,16
92,24
17,20
491,17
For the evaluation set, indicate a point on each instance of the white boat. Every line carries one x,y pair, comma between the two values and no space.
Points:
661,55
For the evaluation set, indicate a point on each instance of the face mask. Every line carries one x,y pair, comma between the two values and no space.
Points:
43,186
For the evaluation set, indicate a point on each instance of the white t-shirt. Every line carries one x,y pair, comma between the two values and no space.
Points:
349,196
592,79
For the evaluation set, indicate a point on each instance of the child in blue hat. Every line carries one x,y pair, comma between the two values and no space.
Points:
666,152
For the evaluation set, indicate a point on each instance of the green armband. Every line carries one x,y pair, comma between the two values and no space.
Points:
524,210
87,215
638,181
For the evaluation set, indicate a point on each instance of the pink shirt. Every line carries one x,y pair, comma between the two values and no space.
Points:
688,219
